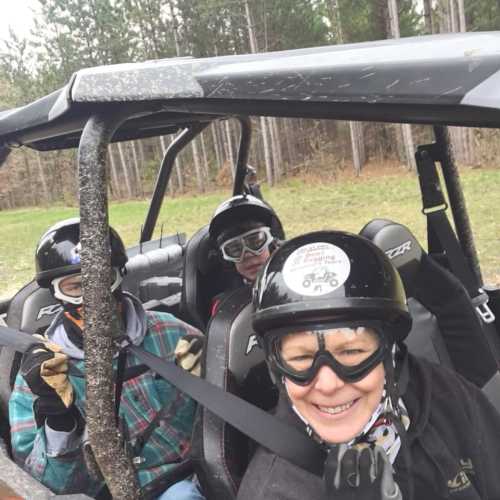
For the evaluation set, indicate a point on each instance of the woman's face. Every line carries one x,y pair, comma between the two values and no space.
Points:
336,410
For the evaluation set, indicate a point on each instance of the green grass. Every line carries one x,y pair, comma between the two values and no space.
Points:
347,203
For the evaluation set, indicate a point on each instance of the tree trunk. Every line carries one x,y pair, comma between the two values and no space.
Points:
462,139
230,152
275,148
142,156
453,16
205,164
42,178
429,28
197,166
408,145
462,25
215,139
444,18
225,146
289,142
115,187
139,190
125,170
267,152
31,197
263,125
355,130
470,156
356,157
178,170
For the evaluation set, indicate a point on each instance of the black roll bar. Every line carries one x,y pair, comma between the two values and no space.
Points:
167,164
241,165
457,200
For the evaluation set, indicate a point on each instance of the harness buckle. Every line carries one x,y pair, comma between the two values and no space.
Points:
138,460
482,308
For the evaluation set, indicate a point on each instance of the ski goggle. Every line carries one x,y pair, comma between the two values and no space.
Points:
254,241
351,350
69,288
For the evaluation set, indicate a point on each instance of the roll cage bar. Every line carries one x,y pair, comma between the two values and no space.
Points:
168,161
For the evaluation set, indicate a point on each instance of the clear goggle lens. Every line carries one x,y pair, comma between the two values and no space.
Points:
69,288
254,241
350,351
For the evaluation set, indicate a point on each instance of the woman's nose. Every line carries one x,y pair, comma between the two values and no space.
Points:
327,380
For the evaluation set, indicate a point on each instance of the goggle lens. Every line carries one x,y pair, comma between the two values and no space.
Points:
71,285
350,351
234,249
254,241
69,288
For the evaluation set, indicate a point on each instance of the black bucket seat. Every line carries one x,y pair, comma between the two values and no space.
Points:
446,330
206,275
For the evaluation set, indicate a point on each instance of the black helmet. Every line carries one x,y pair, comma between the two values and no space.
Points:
237,211
58,251
329,275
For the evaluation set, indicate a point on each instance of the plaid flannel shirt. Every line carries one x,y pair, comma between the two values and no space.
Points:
142,398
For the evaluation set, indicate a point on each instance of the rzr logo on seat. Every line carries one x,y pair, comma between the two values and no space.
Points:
48,310
399,250
252,342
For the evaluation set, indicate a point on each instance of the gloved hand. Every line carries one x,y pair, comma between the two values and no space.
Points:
360,472
188,353
45,369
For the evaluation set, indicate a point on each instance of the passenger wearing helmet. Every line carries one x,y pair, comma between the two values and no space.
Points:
331,315
246,230
47,406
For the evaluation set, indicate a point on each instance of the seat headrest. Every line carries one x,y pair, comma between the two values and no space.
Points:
399,244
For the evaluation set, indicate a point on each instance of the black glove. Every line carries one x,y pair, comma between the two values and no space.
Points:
188,352
357,472
45,370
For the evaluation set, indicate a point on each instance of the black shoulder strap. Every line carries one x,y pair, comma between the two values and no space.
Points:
279,437
441,237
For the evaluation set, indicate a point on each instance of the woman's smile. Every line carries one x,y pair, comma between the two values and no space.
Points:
338,411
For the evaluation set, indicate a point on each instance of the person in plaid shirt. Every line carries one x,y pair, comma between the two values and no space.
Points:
47,406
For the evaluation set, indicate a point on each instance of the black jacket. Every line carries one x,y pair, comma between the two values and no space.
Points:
454,441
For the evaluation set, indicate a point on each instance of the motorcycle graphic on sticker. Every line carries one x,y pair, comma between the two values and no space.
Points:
316,269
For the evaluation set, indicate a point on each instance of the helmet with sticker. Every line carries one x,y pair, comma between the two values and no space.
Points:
58,251
328,276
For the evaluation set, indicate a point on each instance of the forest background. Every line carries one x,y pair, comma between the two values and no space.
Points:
69,35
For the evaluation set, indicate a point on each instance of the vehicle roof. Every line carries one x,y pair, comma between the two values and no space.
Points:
441,79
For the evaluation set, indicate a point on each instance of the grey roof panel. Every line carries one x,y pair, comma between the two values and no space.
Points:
446,79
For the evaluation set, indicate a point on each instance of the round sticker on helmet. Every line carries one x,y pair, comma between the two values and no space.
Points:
316,269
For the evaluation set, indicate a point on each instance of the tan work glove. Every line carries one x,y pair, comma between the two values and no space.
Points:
188,353
45,369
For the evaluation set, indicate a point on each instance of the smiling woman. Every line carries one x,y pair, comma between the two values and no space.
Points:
334,346
336,409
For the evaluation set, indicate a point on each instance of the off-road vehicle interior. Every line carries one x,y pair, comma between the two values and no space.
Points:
433,80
